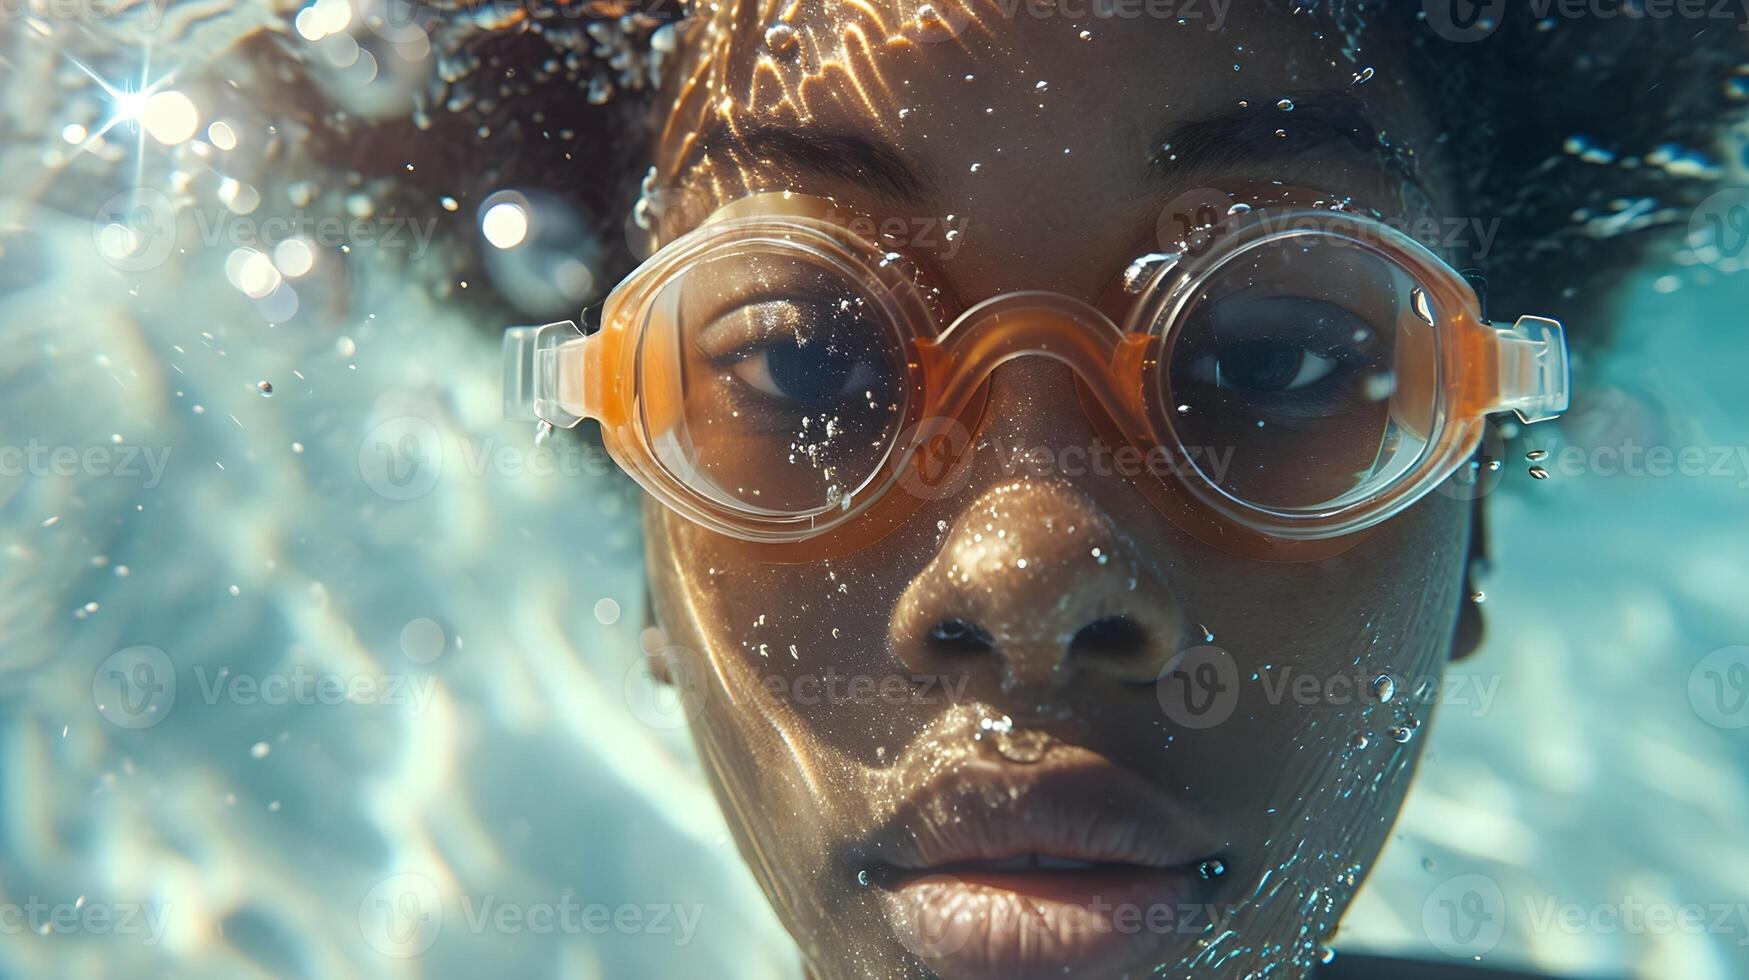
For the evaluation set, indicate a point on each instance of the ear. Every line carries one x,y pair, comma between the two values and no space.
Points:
653,640
1470,626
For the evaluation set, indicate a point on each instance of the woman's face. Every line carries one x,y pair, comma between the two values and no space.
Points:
1038,727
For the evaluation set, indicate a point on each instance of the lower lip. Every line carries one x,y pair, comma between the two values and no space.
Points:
968,925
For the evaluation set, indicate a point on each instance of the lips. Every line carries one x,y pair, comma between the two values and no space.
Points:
1017,871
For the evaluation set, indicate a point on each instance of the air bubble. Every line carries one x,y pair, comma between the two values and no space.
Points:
782,38
1384,688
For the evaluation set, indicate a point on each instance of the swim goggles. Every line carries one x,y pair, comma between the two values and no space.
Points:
1289,377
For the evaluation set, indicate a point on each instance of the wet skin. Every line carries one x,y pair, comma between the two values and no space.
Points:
937,703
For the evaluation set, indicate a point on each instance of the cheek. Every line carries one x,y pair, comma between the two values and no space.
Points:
1334,670
797,649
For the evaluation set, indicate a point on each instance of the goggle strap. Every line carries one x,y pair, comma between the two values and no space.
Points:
1534,378
543,380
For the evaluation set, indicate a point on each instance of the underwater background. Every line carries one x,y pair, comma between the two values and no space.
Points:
310,666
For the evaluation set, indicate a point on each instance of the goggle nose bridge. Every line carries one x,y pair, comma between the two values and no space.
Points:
1035,323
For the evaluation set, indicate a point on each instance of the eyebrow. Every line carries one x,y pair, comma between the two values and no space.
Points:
1319,127
846,157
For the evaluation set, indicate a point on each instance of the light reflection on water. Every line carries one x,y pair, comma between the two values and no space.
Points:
394,683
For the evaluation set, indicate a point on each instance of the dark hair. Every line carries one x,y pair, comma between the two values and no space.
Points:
1589,137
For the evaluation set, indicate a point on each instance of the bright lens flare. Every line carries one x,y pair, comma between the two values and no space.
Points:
505,225
169,117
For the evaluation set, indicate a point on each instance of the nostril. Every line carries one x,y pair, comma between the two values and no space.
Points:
956,635
1113,636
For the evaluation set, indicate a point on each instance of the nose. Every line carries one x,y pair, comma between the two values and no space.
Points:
1034,585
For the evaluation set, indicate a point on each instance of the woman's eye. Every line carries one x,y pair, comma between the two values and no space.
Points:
799,370
804,352
1271,366
1278,344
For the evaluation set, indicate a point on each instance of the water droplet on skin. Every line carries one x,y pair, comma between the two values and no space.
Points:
1285,105
1537,455
1024,747
1360,741
1211,869
862,878
1401,734
1538,473
1327,955
1478,597
265,387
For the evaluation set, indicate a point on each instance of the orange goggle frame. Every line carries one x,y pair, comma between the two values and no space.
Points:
1449,369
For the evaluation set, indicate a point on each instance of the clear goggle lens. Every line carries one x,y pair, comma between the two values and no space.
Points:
1302,374
771,381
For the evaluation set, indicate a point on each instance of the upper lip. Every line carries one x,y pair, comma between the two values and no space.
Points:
1073,805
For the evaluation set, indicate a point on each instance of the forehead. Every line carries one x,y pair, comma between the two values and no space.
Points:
1004,66
1036,115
